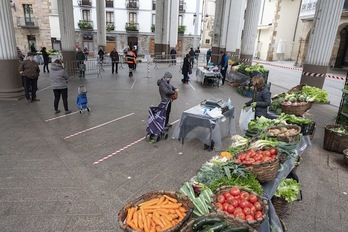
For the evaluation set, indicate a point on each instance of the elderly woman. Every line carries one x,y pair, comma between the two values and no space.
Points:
59,80
261,99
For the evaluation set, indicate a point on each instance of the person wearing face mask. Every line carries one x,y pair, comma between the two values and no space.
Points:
166,91
30,71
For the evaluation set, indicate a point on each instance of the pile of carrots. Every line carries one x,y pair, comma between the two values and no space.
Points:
157,214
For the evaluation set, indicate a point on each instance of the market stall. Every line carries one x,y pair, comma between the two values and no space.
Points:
208,75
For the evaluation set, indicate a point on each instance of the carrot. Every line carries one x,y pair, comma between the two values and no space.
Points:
130,213
168,226
135,218
164,210
165,201
149,202
131,225
180,214
171,206
158,228
169,218
171,199
146,228
140,221
157,221
153,229
182,209
161,200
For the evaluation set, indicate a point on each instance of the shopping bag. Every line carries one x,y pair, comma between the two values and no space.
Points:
245,117
190,69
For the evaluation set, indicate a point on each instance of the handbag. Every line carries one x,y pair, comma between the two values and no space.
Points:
190,70
245,117
175,95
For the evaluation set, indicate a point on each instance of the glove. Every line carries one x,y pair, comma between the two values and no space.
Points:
253,105
244,106
223,68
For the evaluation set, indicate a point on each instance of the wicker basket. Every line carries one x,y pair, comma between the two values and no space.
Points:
280,205
296,88
234,222
255,223
288,139
264,171
297,110
345,156
186,203
334,141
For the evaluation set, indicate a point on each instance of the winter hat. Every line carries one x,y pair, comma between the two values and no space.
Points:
168,75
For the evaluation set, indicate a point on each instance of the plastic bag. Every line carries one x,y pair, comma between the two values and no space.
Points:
245,117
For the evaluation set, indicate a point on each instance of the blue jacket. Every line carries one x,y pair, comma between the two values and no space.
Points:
224,61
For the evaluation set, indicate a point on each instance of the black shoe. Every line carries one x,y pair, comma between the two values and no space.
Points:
35,100
57,111
29,101
68,112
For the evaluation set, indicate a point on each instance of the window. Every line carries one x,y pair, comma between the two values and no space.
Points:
109,17
207,41
109,3
28,14
153,21
86,15
181,20
133,17
153,4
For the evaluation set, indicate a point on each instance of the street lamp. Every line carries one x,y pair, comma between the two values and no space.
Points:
194,18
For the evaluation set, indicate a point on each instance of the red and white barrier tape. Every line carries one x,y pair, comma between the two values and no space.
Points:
118,151
304,73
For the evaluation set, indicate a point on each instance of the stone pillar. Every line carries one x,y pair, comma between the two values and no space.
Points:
174,18
67,34
326,20
252,15
218,30
101,24
162,27
11,84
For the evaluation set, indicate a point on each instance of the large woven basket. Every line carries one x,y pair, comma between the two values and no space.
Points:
264,171
345,156
280,205
186,203
297,110
286,138
255,223
296,88
234,222
334,141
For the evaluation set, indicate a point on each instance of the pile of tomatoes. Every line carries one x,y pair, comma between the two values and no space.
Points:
251,156
240,204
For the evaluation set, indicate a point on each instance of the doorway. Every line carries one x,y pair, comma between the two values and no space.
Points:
132,41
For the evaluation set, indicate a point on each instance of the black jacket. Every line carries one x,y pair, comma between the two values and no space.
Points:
186,66
263,100
114,56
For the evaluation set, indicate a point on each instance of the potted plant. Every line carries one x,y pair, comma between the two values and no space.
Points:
131,27
84,24
181,29
153,28
286,193
110,26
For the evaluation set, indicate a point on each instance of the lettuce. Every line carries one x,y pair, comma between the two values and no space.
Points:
288,189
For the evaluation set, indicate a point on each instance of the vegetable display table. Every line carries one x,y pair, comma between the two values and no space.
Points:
205,76
195,123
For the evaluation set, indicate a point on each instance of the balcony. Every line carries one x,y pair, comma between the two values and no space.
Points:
132,27
132,4
85,25
110,26
182,7
30,23
85,3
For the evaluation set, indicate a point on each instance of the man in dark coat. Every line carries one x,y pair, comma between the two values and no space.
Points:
114,59
30,71
80,59
45,57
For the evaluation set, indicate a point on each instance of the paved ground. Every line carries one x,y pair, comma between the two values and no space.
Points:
50,181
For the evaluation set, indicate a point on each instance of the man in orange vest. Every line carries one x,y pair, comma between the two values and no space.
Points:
131,59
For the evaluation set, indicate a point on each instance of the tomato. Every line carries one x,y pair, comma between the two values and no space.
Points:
243,204
218,205
252,198
226,194
258,214
252,208
235,203
249,218
221,199
258,157
230,209
229,199
238,209
266,153
259,152
225,206
252,154
241,157
239,215
247,211
266,159
273,151
244,195
235,191
258,206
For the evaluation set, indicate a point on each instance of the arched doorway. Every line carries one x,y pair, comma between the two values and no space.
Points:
132,41
342,53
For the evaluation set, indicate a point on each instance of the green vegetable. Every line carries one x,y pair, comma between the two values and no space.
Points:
340,130
216,227
198,225
202,204
318,95
288,189
235,229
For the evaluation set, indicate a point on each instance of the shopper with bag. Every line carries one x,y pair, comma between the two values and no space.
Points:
261,99
186,69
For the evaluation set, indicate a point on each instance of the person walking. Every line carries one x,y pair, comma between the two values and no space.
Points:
30,71
197,51
261,99
45,58
173,56
114,60
208,56
131,60
185,69
80,59
192,56
135,51
86,52
166,91
223,63
59,81
101,54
